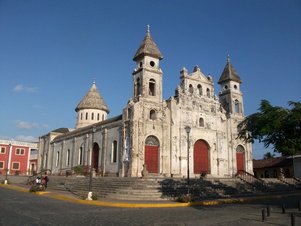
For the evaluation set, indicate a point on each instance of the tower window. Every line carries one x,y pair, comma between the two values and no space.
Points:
140,64
190,88
201,122
86,115
200,91
152,63
81,116
92,116
152,115
226,87
103,117
97,116
208,92
235,86
152,87
236,106
138,87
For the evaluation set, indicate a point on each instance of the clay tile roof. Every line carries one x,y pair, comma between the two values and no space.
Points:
148,47
272,162
92,100
229,73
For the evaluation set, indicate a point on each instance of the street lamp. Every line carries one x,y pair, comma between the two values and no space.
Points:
91,165
187,129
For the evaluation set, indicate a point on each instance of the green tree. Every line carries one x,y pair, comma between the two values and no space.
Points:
268,155
274,126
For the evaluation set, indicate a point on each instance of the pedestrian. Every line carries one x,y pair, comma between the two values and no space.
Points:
45,180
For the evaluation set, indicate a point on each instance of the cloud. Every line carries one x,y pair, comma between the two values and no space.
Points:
26,138
21,88
27,125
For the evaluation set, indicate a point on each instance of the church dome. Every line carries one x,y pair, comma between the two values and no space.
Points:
92,100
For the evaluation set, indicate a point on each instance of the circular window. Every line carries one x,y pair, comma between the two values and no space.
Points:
152,63
235,86
226,87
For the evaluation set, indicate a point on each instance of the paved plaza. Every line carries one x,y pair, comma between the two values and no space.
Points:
19,207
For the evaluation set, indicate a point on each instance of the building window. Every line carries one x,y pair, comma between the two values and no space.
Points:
1,165
16,166
190,88
98,117
208,92
92,117
103,117
81,116
152,87
138,88
2,150
114,151
236,106
201,122
20,151
57,158
152,115
68,158
200,91
80,156
86,115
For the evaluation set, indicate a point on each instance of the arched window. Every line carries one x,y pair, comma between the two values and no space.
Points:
81,116
80,156
200,91
103,117
68,158
208,92
190,88
86,115
138,87
92,117
201,122
114,151
152,87
152,115
57,158
97,116
236,106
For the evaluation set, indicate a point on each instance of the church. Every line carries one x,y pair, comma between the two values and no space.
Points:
193,133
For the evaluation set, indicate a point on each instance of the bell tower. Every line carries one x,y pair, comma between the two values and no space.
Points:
230,95
147,76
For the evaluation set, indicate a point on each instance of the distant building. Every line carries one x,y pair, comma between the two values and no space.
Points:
150,132
278,167
15,157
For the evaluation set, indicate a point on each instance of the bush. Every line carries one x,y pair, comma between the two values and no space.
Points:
79,170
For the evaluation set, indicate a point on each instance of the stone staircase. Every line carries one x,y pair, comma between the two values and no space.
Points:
117,188
126,188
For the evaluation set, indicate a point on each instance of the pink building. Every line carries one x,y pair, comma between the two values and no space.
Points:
15,157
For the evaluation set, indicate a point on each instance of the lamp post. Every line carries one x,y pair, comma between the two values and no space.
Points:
91,166
187,129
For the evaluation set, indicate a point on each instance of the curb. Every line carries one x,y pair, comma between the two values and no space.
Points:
147,205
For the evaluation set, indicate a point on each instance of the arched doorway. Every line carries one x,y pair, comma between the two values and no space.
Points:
201,157
151,154
95,157
240,158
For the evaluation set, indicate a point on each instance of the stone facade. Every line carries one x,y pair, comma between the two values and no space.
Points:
151,131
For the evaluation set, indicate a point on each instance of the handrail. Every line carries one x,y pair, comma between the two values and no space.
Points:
251,179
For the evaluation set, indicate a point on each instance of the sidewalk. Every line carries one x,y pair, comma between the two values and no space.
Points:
67,196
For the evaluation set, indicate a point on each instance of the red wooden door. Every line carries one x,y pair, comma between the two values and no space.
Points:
240,161
201,157
152,158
